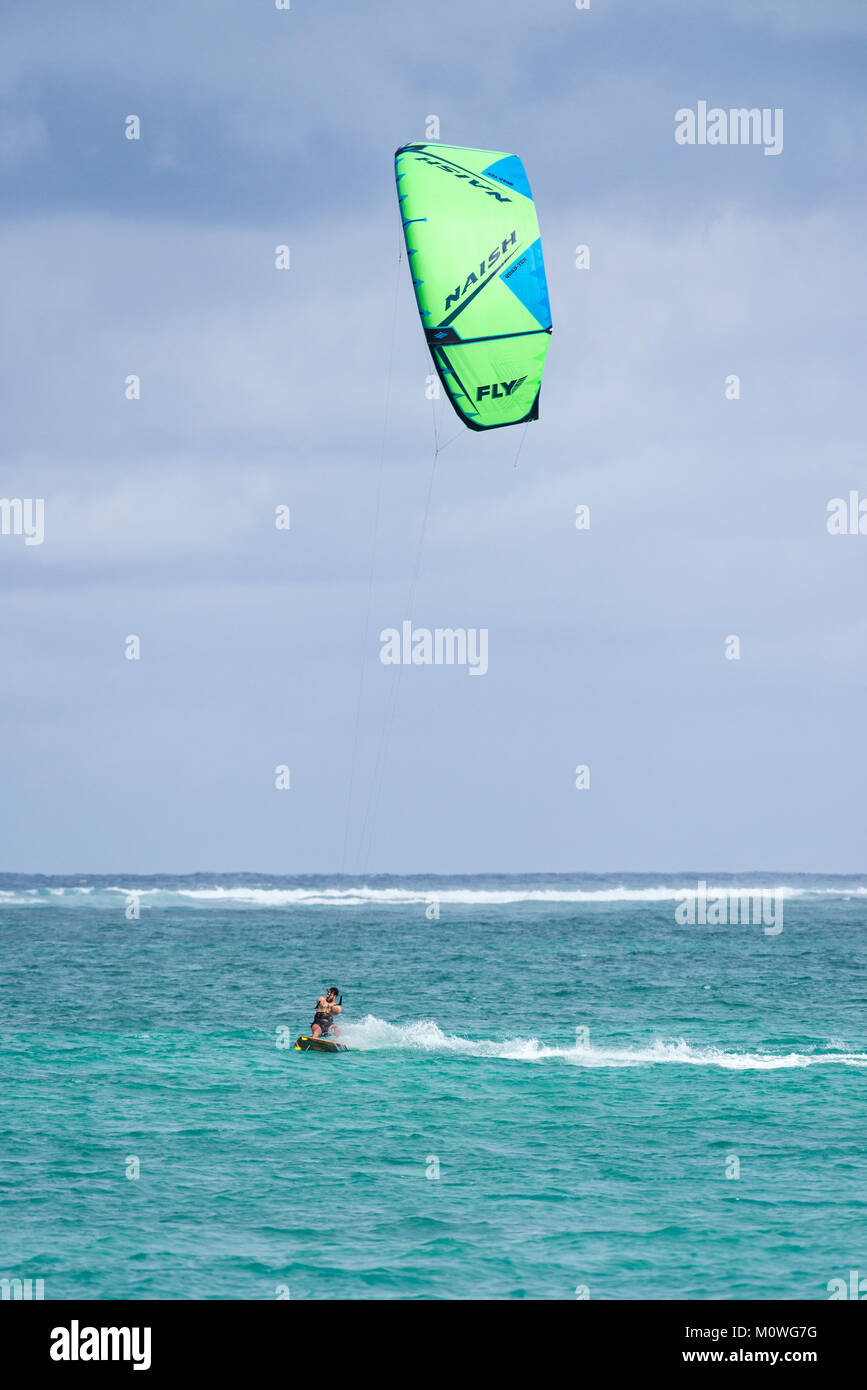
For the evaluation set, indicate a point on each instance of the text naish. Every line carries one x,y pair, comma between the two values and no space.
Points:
459,174
484,266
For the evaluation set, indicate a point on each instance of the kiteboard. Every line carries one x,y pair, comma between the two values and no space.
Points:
305,1044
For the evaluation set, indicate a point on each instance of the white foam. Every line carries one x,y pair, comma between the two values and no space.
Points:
475,897
375,1034
364,896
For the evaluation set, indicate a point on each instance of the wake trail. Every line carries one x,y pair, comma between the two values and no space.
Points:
375,1034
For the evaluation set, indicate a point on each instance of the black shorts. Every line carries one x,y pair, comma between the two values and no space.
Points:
324,1021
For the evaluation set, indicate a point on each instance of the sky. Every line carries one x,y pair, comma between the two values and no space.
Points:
305,388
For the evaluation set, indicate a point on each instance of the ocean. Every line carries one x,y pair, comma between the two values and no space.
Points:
559,1089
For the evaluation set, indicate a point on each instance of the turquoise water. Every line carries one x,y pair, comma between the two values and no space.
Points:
565,1160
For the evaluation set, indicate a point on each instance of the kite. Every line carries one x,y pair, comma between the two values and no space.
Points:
474,250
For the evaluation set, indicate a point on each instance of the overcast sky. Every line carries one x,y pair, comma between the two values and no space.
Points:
607,647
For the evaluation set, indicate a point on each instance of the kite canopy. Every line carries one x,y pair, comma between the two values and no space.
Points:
474,250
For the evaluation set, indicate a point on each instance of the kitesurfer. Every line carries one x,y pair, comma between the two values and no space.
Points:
327,1007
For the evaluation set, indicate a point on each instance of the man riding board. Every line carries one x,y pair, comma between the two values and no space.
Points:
328,1006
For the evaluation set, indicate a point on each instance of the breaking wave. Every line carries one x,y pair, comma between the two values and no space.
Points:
201,896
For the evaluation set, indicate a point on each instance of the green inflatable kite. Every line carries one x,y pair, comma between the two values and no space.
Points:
474,250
